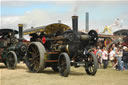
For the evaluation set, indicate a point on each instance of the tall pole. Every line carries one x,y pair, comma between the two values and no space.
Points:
87,21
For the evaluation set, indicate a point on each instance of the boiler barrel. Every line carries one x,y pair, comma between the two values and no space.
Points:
85,37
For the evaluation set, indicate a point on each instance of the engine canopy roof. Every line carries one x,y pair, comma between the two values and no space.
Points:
48,29
6,31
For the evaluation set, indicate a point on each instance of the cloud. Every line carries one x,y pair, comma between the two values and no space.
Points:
41,17
9,22
34,18
37,18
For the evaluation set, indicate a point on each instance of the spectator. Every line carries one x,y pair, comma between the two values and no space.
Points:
112,57
114,47
115,58
94,50
119,54
99,57
105,58
125,57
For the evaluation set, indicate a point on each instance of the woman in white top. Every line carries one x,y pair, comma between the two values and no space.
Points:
112,56
105,58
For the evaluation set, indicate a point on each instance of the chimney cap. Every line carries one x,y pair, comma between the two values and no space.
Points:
74,16
20,25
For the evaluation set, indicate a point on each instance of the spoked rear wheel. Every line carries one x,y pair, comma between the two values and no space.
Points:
11,60
64,64
35,57
91,65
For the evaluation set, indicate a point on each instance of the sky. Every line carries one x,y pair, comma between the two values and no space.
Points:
43,12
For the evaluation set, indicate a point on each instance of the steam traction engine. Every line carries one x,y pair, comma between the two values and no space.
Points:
59,47
12,50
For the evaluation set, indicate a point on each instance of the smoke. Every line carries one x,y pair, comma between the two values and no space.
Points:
75,11
76,8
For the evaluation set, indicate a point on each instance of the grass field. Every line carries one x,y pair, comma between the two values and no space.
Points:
21,76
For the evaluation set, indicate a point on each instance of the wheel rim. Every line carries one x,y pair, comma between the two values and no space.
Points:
62,64
33,56
11,60
91,66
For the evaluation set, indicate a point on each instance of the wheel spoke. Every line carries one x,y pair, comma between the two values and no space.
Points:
30,59
31,53
31,64
34,58
35,50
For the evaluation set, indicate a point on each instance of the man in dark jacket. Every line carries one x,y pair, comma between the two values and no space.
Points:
125,57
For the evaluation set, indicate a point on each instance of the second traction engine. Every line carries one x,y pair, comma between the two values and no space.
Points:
59,47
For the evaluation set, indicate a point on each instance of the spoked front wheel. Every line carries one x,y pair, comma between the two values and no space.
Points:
64,64
11,60
35,57
91,64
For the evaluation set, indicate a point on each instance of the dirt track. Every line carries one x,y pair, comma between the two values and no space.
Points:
21,76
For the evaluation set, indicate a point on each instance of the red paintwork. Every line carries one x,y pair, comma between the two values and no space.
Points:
43,40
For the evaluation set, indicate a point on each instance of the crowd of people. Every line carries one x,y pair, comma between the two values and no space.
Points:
117,56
